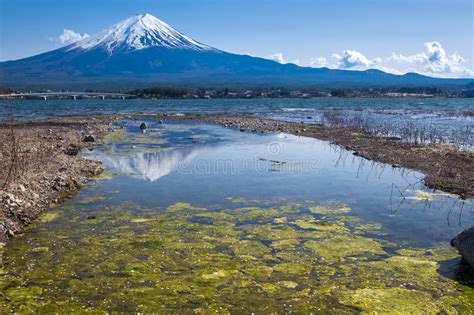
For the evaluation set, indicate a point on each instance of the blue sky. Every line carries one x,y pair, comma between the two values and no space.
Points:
428,36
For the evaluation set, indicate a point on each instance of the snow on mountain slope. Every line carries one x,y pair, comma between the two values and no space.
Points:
139,32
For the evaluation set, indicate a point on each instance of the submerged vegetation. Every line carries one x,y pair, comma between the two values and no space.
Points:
100,252
265,256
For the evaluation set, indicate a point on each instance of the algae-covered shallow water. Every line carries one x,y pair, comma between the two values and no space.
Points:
198,218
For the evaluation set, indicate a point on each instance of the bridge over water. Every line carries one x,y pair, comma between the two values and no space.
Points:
73,95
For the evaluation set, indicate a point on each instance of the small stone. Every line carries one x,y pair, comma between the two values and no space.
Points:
72,150
88,138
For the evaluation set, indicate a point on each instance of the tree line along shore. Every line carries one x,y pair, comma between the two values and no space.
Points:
166,92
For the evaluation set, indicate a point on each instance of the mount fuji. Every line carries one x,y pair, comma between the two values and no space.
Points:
143,51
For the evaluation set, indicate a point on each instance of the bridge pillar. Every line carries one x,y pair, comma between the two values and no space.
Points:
45,98
123,97
103,97
74,97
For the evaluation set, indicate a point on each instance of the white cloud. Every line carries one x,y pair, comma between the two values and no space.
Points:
319,62
277,57
350,59
418,58
434,61
69,36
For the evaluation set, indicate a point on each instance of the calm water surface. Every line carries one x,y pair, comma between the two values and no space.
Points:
452,119
196,218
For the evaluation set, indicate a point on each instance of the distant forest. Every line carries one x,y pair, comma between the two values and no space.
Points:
164,92
179,92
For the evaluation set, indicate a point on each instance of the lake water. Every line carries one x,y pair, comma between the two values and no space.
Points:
197,218
451,119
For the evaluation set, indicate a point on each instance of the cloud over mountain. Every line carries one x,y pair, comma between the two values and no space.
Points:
434,60
278,57
350,59
69,36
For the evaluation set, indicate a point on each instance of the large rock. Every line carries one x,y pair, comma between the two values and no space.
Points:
464,242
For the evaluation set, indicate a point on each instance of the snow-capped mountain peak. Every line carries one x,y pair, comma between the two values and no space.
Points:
138,32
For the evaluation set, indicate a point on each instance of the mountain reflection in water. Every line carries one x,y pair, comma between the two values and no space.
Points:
148,166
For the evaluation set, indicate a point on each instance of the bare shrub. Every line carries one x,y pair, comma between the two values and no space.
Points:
404,129
20,152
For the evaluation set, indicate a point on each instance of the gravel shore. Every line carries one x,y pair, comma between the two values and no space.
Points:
41,165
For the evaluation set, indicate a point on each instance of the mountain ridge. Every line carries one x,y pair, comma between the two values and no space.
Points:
143,50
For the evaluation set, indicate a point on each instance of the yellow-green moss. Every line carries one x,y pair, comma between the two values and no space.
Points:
393,301
330,208
186,258
49,216
293,268
342,246
91,199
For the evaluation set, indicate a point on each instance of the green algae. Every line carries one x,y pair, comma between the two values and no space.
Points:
254,213
49,216
331,208
105,175
180,206
282,220
131,138
322,225
91,199
250,248
394,300
288,284
341,246
293,268
236,199
265,257
285,243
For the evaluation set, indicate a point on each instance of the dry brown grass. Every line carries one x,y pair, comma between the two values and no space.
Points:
21,154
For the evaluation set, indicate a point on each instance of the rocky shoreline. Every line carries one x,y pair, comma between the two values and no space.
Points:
60,171
41,166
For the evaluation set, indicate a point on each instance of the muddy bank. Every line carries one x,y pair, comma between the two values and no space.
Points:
446,168
41,165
